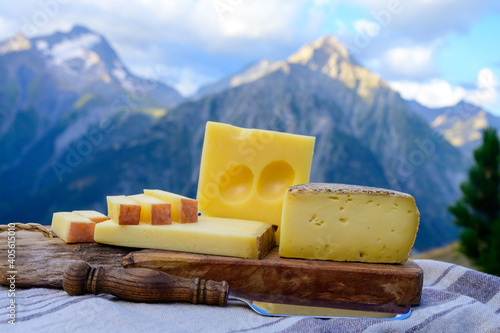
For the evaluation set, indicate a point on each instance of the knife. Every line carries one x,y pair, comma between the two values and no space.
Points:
149,285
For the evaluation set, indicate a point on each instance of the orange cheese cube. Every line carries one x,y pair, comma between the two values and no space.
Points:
184,209
123,210
73,228
153,210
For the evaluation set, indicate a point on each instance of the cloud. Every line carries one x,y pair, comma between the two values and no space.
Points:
216,25
419,24
184,79
405,63
192,33
423,21
198,34
487,91
370,28
434,93
409,61
257,19
6,29
437,93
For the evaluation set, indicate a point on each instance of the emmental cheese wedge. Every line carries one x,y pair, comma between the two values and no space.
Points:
184,209
153,210
217,236
93,215
244,173
348,223
123,210
73,228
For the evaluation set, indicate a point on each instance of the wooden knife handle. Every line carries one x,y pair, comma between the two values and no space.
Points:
141,285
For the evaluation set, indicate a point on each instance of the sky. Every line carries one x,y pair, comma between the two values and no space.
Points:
437,52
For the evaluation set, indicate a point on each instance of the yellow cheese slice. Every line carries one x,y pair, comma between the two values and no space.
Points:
244,173
348,223
73,228
153,210
184,209
93,215
217,236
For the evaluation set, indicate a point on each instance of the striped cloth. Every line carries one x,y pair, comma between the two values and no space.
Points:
455,299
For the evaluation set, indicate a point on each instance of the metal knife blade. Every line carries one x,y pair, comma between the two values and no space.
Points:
281,305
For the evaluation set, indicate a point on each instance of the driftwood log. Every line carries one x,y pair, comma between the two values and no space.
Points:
40,257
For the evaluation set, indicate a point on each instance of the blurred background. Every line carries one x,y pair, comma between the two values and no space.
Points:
105,97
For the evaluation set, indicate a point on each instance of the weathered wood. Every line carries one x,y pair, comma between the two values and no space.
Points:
142,285
40,261
338,281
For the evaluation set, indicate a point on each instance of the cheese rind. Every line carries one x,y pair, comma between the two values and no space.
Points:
73,228
244,173
153,210
93,215
184,209
123,210
348,223
217,236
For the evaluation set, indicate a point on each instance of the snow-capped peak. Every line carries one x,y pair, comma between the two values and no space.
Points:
78,47
121,75
17,43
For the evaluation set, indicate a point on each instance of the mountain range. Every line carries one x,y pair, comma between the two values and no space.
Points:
77,125
53,89
461,124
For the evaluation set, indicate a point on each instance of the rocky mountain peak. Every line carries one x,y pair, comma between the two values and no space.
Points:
329,56
319,52
79,57
79,30
326,55
331,45
79,43
17,43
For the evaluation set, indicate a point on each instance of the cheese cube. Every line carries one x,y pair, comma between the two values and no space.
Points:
348,223
92,215
217,236
244,173
184,209
73,228
153,210
123,210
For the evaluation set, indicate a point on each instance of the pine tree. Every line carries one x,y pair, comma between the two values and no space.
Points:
478,211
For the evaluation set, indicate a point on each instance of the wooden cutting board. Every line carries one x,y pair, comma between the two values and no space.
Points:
40,262
339,281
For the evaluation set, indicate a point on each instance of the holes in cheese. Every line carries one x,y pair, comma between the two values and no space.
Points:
244,173
153,210
359,223
236,183
73,228
123,210
274,179
93,215
217,236
183,209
